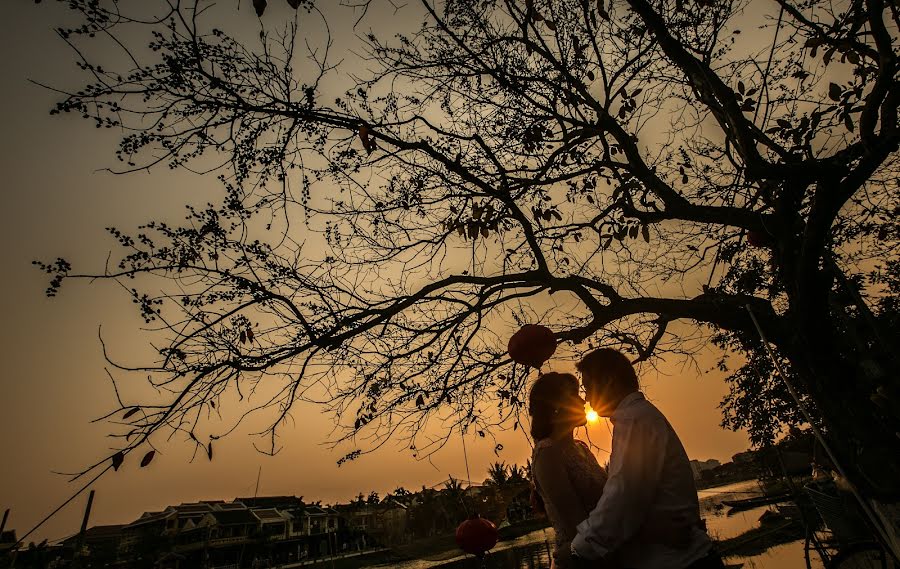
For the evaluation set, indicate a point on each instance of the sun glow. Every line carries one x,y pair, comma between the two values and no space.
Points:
592,416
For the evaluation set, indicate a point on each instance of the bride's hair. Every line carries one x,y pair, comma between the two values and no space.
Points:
545,398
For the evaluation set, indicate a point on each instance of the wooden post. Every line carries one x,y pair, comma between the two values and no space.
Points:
79,543
87,513
14,551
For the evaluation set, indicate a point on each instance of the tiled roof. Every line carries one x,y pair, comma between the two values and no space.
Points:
234,517
100,532
230,506
269,515
194,508
97,533
282,502
151,517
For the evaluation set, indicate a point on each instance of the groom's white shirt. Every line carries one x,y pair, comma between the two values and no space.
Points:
650,479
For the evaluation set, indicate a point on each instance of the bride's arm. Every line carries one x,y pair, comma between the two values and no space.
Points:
557,491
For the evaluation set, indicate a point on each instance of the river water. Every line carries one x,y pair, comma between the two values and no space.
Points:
531,551
721,525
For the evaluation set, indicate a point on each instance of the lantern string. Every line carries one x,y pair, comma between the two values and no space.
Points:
462,435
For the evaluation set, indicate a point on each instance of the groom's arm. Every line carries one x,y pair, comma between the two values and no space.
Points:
635,468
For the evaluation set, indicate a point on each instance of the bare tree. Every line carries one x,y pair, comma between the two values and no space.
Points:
626,172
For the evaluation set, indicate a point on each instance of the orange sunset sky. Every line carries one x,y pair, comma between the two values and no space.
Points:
56,202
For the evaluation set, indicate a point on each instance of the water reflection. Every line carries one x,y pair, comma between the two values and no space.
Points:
721,522
785,556
534,556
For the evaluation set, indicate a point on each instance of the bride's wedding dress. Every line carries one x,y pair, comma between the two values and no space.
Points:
570,481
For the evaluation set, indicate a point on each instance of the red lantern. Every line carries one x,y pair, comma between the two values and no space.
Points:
476,535
532,345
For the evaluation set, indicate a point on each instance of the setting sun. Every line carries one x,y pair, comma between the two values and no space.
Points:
592,416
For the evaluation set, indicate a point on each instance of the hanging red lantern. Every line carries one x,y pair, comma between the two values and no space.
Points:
476,535
532,345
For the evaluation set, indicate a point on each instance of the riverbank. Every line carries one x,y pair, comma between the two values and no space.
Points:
742,477
758,540
341,560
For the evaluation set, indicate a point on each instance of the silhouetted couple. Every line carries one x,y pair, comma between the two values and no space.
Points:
641,514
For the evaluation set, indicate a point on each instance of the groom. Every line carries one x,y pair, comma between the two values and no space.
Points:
650,479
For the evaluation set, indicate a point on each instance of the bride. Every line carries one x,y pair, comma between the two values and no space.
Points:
568,479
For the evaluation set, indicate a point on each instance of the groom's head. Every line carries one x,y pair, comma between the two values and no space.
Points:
607,376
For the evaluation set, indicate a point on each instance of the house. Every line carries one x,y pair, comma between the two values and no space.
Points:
317,520
230,527
699,466
147,535
188,515
216,539
274,524
391,519
474,492
8,540
360,517
195,522
101,543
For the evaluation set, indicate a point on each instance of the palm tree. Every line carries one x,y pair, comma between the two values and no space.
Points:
401,495
517,474
426,516
453,486
498,474
452,501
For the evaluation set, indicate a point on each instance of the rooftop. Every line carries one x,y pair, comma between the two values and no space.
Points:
269,515
234,517
98,533
148,518
230,506
192,508
282,502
